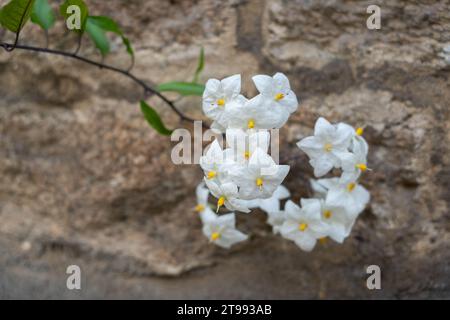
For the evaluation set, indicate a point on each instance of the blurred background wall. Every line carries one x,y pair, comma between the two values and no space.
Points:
85,181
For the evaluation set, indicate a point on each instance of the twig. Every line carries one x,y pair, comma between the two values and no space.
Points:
147,89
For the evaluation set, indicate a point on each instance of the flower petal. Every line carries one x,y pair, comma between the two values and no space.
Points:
264,84
232,85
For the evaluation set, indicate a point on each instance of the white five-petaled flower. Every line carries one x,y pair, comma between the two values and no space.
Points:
321,186
255,114
214,163
339,223
242,144
202,207
260,178
304,225
276,98
354,163
351,196
275,216
222,231
327,147
227,195
276,220
220,96
273,203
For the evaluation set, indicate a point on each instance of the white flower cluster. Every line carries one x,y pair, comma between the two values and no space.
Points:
244,176
243,173
340,200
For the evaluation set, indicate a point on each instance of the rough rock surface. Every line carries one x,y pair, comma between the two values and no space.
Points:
84,180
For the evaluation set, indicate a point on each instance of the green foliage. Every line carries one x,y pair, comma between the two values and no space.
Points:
187,88
98,36
15,14
108,24
83,10
154,119
200,66
183,88
42,14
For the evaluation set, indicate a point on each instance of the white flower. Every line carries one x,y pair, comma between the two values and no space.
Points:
256,113
322,186
276,96
243,144
275,217
327,146
354,163
319,190
359,142
220,97
351,196
271,206
222,231
276,220
217,128
339,223
273,203
304,226
202,206
214,162
260,178
227,195
202,194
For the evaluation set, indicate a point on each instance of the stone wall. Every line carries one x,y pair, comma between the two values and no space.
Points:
85,181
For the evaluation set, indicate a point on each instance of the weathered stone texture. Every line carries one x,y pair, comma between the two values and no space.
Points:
85,181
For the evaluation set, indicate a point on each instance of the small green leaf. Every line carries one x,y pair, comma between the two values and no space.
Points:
84,12
98,36
108,24
183,88
200,66
42,14
15,14
128,45
154,120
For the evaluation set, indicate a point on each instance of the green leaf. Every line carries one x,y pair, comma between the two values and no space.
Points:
15,14
154,120
200,66
183,88
98,36
42,14
84,12
108,24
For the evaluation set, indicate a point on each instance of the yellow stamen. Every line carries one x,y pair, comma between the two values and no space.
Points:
220,202
215,236
361,166
328,147
327,214
259,182
323,240
212,174
351,186
359,131
199,208
221,102
302,226
251,124
247,155
279,96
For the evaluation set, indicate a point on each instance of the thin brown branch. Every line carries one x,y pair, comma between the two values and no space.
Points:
148,90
